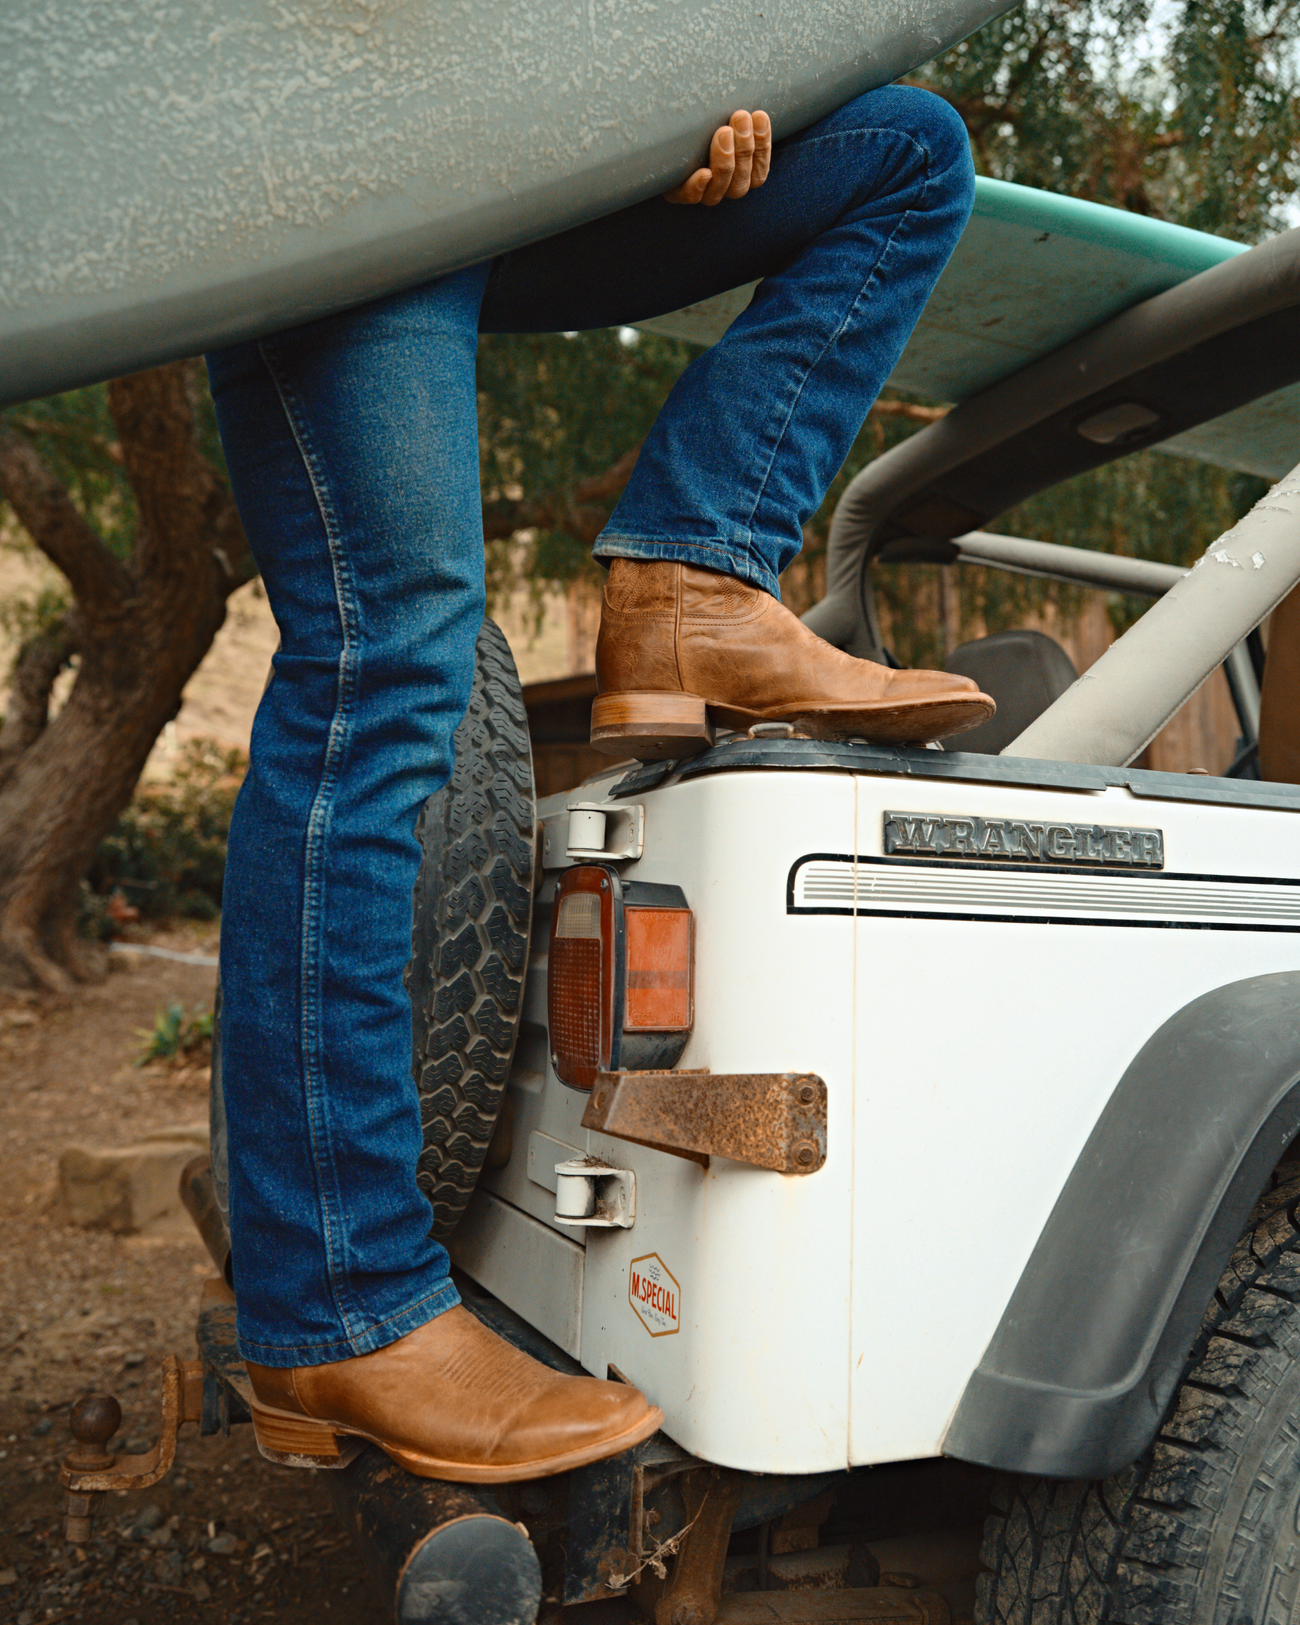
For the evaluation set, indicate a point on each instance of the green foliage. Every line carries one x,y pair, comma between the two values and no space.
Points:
1187,110
557,409
166,855
175,1036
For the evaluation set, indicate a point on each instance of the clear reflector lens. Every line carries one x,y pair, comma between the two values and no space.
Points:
579,916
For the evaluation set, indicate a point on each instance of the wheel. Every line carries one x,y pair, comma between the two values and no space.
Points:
469,935
471,916
1204,1529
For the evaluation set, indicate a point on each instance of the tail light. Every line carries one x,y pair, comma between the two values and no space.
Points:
620,986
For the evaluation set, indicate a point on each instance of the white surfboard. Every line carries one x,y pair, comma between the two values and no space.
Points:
176,174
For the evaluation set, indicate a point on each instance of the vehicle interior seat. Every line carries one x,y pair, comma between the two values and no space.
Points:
1024,672
1279,700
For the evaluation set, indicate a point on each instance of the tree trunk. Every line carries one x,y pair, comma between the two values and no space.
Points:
141,629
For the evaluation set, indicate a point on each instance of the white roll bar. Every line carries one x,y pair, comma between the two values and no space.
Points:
1119,704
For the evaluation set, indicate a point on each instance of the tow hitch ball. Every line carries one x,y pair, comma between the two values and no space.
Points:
90,1468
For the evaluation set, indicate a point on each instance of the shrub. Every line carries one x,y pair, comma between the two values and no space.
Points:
166,855
175,1036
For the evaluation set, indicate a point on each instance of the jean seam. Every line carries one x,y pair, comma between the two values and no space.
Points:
336,748
834,338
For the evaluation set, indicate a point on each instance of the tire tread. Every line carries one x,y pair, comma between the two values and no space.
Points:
471,916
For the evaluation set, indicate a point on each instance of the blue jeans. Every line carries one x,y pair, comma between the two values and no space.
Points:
352,447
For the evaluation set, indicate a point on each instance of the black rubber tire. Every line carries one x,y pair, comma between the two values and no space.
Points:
472,914
1203,1530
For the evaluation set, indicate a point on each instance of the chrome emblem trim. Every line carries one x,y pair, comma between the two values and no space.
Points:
1015,840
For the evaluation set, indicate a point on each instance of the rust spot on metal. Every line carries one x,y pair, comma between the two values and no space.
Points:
774,1120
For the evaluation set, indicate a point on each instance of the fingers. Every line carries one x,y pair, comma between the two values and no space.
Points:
742,134
692,189
740,156
762,149
722,163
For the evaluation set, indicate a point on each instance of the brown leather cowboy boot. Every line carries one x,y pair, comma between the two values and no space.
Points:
682,649
449,1400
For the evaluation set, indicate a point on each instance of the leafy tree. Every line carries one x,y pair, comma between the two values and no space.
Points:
141,524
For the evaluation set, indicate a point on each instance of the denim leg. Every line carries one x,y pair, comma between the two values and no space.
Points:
857,219
353,451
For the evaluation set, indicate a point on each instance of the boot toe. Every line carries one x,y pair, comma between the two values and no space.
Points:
582,1417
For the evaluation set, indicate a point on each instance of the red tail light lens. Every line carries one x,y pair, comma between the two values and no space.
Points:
620,986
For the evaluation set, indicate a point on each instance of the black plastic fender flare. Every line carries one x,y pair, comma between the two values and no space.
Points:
1091,1346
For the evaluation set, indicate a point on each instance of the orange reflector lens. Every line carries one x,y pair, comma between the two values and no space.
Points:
620,981
660,962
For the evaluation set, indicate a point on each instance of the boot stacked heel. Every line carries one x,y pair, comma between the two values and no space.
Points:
298,1441
653,727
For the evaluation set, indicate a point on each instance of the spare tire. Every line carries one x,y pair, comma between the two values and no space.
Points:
471,916
472,913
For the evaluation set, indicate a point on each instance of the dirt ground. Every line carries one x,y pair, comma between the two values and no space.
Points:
226,1537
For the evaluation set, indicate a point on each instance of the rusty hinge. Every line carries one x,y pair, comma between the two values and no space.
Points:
773,1120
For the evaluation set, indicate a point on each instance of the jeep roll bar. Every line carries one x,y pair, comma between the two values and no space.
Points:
1181,358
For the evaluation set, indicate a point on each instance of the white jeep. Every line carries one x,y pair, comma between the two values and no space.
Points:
912,1125
876,1106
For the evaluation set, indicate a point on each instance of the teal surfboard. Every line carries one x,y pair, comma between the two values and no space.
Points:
1032,271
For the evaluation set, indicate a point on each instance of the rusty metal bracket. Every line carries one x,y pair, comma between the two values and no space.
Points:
773,1120
693,1595
90,1468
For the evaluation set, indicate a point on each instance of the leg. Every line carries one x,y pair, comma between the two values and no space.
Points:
858,217
371,554
353,449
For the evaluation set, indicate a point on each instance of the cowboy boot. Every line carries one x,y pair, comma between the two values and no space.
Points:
682,650
449,1400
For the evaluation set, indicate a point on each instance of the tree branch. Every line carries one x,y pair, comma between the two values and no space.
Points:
38,664
571,511
70,431
187,516
908,409
51,518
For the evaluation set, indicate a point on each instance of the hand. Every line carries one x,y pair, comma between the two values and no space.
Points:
740,156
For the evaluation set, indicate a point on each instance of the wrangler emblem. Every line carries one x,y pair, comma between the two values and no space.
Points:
1012,840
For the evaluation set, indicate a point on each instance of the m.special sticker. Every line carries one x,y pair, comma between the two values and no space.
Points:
653,1292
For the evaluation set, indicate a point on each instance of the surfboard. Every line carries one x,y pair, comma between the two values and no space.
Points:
1032,271
178,174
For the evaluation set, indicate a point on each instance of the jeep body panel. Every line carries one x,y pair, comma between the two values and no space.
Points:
972,1016
1091,1346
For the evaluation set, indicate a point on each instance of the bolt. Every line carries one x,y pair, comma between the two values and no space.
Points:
604,885
689,1613
805,1153
807,1094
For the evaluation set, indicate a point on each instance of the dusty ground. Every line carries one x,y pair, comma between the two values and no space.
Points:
227,1537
